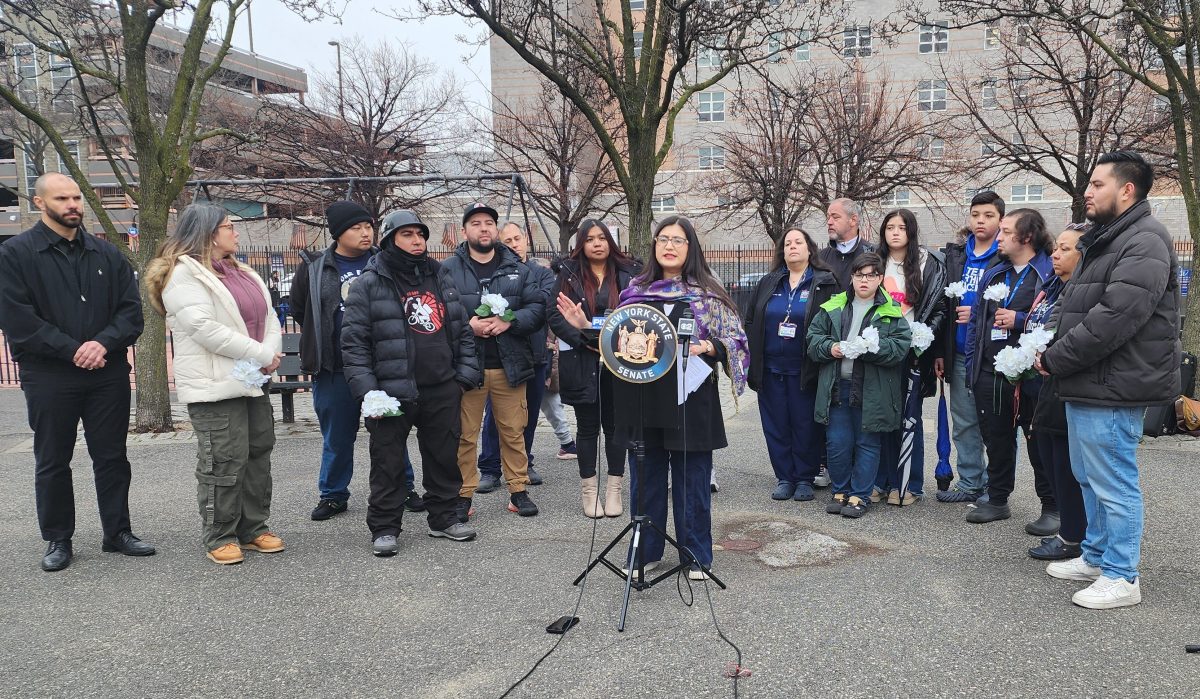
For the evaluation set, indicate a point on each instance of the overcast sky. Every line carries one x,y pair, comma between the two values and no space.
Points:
283,36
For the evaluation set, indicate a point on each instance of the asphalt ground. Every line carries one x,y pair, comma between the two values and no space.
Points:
915,602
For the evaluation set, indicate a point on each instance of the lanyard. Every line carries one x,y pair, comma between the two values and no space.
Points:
1020,279
792,294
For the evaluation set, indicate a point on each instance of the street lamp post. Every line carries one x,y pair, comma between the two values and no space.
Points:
341,90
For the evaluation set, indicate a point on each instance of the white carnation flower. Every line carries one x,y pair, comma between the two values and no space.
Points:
380,404
1038,338
956,290
922,337
249,373
496,302
870,336
996,292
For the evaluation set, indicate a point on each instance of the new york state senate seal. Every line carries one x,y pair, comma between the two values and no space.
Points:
638,343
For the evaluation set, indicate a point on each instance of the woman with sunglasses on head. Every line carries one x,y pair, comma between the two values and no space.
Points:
590,282
677,279
915,276
781,372
219,312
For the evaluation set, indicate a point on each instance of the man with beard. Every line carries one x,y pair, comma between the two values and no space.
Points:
843,221
1115,351
482,266
70,308
405,333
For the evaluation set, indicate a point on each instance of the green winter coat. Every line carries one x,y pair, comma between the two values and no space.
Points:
877,375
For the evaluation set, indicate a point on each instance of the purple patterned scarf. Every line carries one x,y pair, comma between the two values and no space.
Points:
714,320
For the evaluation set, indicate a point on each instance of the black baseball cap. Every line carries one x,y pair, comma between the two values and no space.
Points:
478,207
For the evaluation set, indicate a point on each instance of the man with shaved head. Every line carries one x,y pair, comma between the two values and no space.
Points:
844,220
70,309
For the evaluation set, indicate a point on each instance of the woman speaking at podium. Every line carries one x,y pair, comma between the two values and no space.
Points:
677,279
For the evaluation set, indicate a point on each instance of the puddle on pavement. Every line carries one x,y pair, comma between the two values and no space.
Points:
788,544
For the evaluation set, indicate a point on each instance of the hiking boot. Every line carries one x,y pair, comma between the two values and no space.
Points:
1109,593
226,555
464,510
455,532
385,546
522,505
822,479
1073,569
783,491
568,451
414,502
804,493
836,504
855,507
487,483
985,512
265,543
327,508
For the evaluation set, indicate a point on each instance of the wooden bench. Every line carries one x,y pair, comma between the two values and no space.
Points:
291,377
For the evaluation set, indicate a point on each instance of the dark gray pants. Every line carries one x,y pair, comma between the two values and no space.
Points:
233,470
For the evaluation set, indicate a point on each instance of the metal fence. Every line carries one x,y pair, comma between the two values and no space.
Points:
739,267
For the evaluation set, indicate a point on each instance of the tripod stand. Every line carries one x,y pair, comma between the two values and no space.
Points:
634,560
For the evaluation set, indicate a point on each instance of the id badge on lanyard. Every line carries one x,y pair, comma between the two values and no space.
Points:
787,330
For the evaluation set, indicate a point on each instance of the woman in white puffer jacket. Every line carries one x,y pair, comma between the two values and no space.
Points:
219,312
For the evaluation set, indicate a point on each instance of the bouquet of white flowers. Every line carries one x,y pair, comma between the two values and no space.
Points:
379,404
1016,363
868,341
249,373
922,337
956,290
494,305
996,292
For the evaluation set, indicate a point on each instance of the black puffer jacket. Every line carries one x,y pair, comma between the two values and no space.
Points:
526,300
375,343
578,367
822,288
1116,339
840,262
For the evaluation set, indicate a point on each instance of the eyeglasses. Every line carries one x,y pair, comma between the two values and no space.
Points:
225,225
866,275
671,241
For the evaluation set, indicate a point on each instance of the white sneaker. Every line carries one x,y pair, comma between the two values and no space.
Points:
822,479
697,574
646,567
1109,593
1074,569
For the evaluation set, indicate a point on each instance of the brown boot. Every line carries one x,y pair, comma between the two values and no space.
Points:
226,555
612,493
592,507
265,543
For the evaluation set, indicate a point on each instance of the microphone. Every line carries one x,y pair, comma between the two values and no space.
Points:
686,330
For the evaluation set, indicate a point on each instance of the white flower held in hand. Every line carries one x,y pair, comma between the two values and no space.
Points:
997,293
1037,339
496,303
868,341
1016,363
379,404
956,290
922,337
249,373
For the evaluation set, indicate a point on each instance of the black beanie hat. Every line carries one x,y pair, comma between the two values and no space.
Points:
343,214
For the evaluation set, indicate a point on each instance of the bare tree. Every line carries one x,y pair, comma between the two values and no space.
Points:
1051,102
547,140
644,60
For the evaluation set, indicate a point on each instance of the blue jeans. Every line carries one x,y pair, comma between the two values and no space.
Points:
691,501
793,437
338,414
1104,441
853,452
968,441
489,451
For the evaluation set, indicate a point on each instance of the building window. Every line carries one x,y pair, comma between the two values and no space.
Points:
931,96
711,105
934,37
1018,143
1020,88
33,169
712,158
991,35
803,49
8,150
897,197
724,202
989,147
708,56
637,44
1023,33
73,149
932,148
856,42
1026,193
61,72
987,94
637,4
662,205
775,44
26,61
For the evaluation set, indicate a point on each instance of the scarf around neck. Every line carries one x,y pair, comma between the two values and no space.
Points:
714,321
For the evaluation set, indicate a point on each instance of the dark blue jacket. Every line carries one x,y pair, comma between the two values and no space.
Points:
980,322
